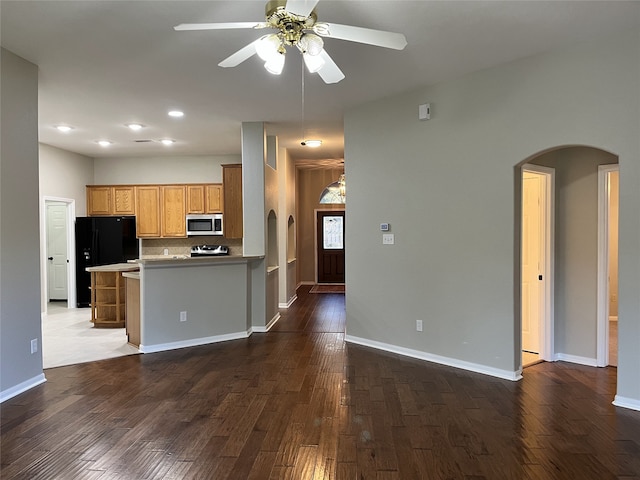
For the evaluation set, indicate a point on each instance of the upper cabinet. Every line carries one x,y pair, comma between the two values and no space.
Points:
99,200
148,208
111,200
213,197
161,210
195,199
232,181
174,210
123,200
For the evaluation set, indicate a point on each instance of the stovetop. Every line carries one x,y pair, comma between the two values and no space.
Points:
209,250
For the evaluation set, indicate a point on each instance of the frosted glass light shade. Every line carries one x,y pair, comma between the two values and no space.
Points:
267,47
275,64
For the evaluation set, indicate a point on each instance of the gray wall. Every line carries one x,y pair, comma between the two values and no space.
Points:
170,169
214,297
65,174
19,229
446,186
576,246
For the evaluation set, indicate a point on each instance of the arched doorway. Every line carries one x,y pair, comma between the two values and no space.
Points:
574,318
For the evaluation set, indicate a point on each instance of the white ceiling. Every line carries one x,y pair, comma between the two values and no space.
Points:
106,63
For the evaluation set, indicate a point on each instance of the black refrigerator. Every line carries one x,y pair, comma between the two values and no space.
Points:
101,241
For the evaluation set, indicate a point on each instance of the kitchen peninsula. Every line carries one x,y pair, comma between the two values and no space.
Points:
188,301
108,299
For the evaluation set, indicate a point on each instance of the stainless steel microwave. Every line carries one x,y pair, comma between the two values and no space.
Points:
204,224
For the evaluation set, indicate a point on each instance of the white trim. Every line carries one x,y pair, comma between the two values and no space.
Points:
626,402
161,347
305,282
289,303
451,362
547,327
602,295
266,328
22,387
71,250
565,357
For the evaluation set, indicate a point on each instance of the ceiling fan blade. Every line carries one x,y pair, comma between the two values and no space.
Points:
379,38
240,56
219,26
330,72
302,8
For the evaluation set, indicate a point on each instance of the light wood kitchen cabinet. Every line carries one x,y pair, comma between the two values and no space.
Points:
98,200
123,200
195,199
174,208
111,200
148,211
213,196
232,190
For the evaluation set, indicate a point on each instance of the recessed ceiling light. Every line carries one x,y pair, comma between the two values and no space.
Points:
104,143
135,126
167,141
64,128
311,143
176,113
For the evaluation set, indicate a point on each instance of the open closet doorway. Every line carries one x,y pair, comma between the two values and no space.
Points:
608,199
536,263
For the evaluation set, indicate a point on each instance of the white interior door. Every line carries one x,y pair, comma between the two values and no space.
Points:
57,264
532,260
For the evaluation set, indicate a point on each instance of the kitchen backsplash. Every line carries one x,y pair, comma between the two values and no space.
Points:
182,246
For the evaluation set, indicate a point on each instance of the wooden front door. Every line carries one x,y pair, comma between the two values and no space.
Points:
330,246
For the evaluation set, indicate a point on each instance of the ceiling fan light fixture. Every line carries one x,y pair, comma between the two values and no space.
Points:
311,44
275,65
313,63
268,47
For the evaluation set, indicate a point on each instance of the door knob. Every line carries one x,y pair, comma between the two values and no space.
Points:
50,258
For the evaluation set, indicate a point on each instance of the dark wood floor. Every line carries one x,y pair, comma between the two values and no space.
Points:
297,403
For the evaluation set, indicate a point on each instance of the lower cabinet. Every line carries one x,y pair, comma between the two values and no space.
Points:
108,299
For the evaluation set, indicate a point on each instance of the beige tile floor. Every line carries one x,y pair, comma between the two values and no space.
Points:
68,337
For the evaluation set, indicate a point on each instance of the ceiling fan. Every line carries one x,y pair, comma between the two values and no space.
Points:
297,26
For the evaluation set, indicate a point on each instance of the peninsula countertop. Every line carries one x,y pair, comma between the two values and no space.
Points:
186,260
115,267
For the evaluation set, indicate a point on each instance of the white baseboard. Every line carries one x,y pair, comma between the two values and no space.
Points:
305,283
289,303
22,387
565,357
626,402
451,362
265,329
161,347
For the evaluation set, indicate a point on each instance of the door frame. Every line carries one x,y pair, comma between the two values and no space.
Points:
547,340
315,238
602,296
71,248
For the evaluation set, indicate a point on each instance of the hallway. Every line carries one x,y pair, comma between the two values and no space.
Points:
298,403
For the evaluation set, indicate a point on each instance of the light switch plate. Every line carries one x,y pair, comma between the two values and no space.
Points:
388,239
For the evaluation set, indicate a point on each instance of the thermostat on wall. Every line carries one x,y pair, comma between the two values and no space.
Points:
424,111
384,227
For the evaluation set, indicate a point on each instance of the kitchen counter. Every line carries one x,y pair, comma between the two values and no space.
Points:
116,267
185,260
187,301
